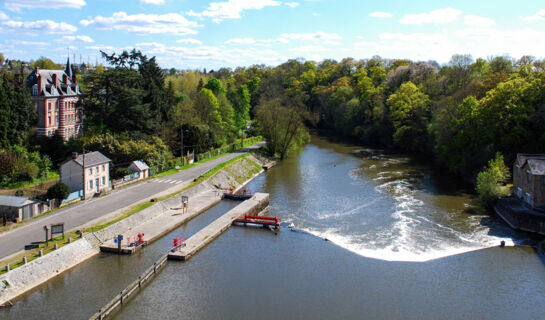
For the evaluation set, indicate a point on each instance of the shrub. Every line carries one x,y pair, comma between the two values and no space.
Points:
58,191
491,182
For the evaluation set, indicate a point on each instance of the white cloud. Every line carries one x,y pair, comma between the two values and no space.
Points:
440,46
36,28
3,16
17,5
240,41
292,4
232,9
326,38
170,23
28,43
85,39
380,14
153,1
538,16
189,41
476,21
439,16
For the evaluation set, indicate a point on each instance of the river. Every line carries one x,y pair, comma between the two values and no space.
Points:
404,242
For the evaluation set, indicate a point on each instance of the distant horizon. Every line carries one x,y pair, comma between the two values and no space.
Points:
241,33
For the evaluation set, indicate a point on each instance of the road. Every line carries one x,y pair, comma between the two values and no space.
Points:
85,211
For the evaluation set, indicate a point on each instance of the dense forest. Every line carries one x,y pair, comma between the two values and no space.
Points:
460,114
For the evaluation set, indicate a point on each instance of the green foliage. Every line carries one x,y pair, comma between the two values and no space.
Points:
17,114
122,149
45,63
281,127
491,181
58,191
409,113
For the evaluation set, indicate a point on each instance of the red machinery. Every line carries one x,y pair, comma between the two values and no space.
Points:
136,240
264,221
178,243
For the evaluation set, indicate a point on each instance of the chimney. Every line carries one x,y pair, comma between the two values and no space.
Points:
39,78
37,70
74,155
54,80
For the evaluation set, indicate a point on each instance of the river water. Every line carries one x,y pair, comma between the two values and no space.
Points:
404,242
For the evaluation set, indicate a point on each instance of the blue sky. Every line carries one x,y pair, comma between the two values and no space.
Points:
231,33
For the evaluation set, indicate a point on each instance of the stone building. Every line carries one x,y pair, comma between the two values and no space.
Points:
89,172
529,180
56,96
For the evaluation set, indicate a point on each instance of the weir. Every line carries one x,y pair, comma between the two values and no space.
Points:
191,246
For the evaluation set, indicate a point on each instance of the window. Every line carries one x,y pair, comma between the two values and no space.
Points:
529,176
103,167
97,171
519,192
103,181
90,184
49,120
90,170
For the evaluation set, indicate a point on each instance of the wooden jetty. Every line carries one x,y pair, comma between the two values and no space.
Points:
198,241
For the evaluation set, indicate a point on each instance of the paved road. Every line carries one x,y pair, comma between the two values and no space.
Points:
85,211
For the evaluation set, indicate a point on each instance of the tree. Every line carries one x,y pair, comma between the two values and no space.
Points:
409,113
281,127
241,105
2,58
58,191
45,63
491,182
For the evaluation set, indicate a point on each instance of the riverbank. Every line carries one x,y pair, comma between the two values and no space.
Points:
20,280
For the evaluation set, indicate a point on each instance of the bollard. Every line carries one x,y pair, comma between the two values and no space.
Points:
69,239
56,246
25,260
41,252
7,267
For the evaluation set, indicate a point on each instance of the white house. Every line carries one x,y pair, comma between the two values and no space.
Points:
141,167
90,172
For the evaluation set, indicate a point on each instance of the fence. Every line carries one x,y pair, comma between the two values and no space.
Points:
126,179
76,195
125,294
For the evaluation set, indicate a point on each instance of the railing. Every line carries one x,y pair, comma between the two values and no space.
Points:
125,294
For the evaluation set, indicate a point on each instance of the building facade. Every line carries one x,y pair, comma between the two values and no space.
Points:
529,180
56,96
16,209
89,172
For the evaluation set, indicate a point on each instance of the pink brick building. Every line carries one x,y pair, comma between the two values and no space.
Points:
57,101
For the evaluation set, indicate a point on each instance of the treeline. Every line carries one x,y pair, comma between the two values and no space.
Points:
460,114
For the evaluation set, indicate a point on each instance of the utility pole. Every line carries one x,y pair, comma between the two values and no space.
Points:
83,149
182,147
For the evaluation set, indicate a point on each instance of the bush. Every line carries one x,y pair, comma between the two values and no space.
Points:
29,171
491,182
19,193
58,191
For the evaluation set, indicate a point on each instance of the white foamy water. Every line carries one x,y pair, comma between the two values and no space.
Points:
407,233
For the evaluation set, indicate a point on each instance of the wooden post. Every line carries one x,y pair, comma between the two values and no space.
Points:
7,267
56,246
41,252
25,260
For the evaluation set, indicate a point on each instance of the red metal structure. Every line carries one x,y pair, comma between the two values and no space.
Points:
264,221
178,243
136,240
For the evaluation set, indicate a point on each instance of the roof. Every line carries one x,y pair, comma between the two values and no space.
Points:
537,166
92,159
13,201
536,162
55,87
140,165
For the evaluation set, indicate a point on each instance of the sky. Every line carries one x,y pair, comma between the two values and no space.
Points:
191,34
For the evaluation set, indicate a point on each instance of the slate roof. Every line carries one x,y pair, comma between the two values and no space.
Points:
92,159
140,165
13,201
536,162
537,166
51,88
